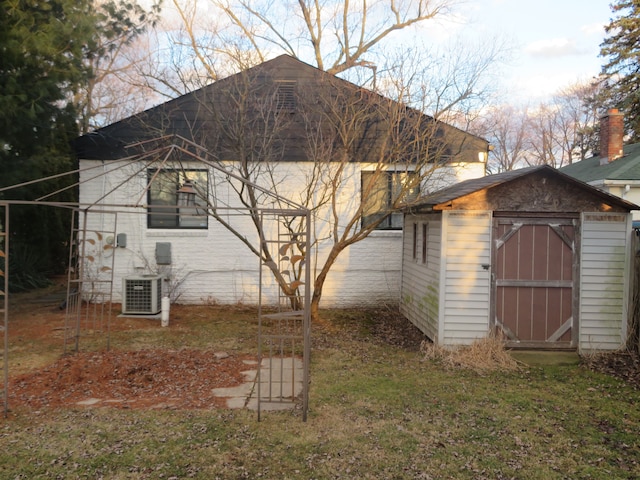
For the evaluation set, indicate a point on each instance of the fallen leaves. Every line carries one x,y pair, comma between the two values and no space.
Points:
181,379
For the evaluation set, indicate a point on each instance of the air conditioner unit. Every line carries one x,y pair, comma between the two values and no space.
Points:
142,295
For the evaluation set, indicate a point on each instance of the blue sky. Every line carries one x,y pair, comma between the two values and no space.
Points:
555,42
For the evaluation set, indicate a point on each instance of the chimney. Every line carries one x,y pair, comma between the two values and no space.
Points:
611,134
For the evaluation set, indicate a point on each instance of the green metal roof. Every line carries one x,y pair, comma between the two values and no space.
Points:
626,167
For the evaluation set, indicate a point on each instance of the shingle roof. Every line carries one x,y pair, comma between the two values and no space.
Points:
626,167
468,187
190,116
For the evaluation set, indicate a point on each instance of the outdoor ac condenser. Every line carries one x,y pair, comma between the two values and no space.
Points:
142,295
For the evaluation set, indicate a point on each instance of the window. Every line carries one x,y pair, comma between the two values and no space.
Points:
177,199
380,190
415,241
425,236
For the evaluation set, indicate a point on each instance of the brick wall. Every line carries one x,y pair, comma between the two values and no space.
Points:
212,265
611,136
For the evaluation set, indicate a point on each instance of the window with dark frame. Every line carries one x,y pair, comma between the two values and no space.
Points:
425,236
177,199
415,241
381,190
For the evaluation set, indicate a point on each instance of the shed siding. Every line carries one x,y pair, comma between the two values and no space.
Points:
420,286
604,280
465,295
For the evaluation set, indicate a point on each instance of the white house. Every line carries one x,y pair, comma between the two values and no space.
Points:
616,167
319,141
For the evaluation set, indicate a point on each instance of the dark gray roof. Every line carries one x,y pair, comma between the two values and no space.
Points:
192,116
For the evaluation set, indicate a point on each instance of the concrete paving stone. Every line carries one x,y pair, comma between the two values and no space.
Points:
236,402
278,391
250,375
242,390
280,385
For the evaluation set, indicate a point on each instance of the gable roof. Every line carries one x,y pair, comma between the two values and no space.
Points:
589,170
441,199
191,115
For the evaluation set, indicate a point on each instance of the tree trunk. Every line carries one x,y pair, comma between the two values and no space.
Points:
318,283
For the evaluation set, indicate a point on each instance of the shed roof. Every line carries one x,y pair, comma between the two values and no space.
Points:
442,198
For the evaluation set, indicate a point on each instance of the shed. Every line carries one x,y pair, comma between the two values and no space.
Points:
532,253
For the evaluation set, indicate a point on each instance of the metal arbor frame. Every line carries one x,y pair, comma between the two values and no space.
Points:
4,300
158,153
285,334
93,285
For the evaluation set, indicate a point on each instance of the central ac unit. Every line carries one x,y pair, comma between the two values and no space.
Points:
142,295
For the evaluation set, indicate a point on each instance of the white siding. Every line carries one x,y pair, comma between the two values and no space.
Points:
604,280
212,265
420,287
465,282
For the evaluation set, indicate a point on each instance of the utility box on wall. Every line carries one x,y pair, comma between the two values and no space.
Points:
163,253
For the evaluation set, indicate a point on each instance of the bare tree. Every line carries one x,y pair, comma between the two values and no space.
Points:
579,114
339,129
556,133
352,139
110,94
338,35
507,129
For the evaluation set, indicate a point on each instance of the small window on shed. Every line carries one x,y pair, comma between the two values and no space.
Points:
415,241
425,236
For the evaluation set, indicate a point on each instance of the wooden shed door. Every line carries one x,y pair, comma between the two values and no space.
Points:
533,276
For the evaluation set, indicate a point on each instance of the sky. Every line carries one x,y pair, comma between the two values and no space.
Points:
555,42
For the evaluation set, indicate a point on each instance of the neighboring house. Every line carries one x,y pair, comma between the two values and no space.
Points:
616,168
532,253
280,118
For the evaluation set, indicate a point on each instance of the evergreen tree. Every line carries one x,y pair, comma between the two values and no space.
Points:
46,53
621,48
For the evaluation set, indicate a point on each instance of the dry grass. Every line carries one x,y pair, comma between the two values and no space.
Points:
482,356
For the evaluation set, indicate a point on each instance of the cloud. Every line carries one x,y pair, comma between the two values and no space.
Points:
593,29
555,47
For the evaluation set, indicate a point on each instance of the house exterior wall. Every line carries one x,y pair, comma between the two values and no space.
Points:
604,280
212,265
627,190
465,276
420,285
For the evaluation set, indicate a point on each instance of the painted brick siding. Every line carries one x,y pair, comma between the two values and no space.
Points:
604,280
212,264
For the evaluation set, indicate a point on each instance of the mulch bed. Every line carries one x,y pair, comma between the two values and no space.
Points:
182,379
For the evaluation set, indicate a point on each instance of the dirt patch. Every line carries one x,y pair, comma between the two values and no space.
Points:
182,379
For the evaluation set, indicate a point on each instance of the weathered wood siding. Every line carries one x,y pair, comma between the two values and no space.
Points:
420,287
604,280
465,276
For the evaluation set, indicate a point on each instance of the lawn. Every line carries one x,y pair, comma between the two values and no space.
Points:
377,410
